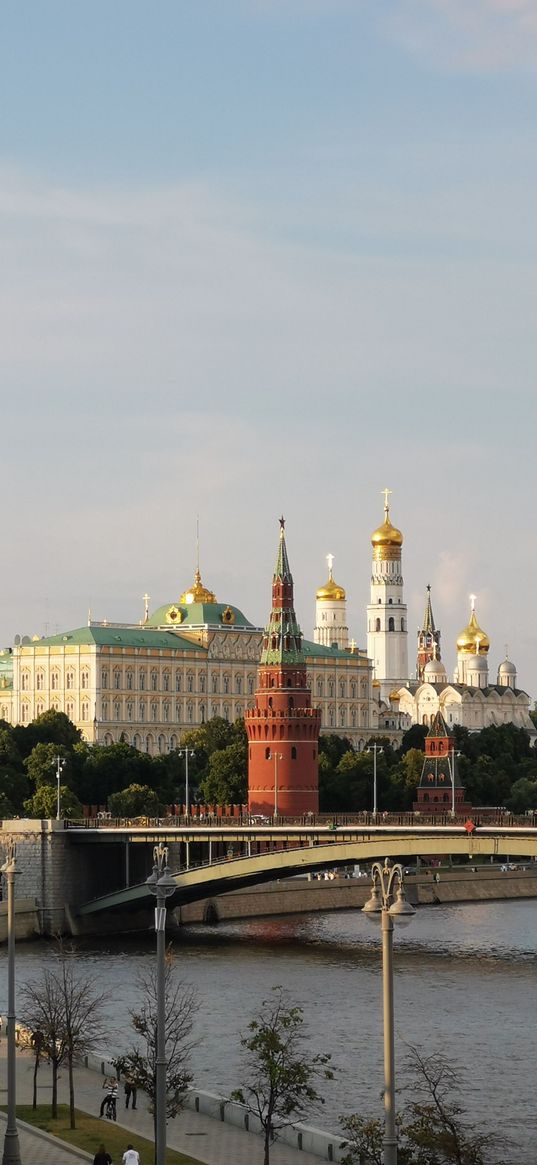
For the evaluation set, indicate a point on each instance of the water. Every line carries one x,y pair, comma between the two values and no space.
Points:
464,984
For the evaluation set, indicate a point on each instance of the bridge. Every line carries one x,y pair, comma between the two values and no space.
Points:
303,849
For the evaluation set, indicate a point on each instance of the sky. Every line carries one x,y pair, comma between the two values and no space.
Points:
263,257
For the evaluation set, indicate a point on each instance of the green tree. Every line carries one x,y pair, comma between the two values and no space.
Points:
135,801
226,782
50,727
41,764
523,796
102,770
43,804
281,1075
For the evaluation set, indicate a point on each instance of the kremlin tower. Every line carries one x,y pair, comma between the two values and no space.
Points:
387,635
428,639
440,790
330,613
282,727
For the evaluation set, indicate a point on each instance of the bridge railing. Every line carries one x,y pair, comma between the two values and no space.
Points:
328,821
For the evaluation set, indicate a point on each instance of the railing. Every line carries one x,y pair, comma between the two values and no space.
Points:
307,821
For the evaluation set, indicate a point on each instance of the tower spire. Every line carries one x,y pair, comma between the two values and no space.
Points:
428,637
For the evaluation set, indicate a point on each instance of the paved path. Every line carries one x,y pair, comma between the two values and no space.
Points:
210,1141
37,1149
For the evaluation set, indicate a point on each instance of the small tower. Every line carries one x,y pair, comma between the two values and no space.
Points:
331,613
387,635
282,727
507,673
435,790
428,638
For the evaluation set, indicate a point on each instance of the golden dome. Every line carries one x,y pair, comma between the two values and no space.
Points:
394,695
386,540
331,592
473,638
197,593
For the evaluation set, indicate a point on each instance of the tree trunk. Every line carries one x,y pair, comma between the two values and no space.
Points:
36,1069
266,1155
71,1092
54,1089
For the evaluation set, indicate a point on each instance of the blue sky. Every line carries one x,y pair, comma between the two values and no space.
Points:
268,255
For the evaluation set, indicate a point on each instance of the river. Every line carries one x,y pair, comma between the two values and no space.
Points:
465,984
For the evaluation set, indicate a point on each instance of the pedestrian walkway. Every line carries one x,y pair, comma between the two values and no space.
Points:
212,1142
36,1148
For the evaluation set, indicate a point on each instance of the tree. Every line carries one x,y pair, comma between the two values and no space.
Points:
364,1141
226,782
435,1128
41,763
135,801
281,1075
65,1014
140,1062
44,803
523,796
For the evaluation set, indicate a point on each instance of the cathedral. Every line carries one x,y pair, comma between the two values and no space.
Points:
194,658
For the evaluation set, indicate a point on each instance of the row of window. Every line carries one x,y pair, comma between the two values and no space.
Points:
150,682
391,624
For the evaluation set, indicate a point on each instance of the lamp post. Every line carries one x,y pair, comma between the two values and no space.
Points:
60,763
161,884
11,1139
453,755
374,748
186,752
277,756
388,900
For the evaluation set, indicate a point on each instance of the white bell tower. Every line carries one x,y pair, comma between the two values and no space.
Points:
331,613
387,633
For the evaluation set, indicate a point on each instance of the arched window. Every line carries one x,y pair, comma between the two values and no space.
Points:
377,624
178,681
293,753
319,687
226,684
166,681
70,679
117,679
402,624
267,754
104,678
202,683
142,711
190,712
214,683
142,681
84,681
40,681
154,678
250,685
154,711
85,710
391,623
130,681
238,685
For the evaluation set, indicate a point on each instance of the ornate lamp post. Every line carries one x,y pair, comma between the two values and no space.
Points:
161,884
186,752
12,1154
452,766
388,900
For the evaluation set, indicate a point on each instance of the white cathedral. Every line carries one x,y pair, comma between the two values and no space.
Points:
471,699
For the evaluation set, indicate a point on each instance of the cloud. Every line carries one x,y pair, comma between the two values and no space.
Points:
467,35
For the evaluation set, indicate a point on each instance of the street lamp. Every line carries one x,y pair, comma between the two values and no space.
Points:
186,752
388,900
161,884
452,767
277,756
60,764
12,1154
374,748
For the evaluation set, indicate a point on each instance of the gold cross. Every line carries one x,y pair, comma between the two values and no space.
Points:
386,493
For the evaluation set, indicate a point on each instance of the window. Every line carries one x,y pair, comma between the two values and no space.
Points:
166,713
330,687
293,753
319,687
25,681
154,711
177,712
104,678
267,754
189,713
250,685
226,711
117,710
238,685
84,682
141,712
202,683
353,718
226,684
214,710
178,681
402,624
117,679
85,710
142,681
70,680
391,623
154,679
377,623
353,689
104,710
129,681
214,683
166,681
342,717
202,713
40,681
130,710
190,682
25,713
342,688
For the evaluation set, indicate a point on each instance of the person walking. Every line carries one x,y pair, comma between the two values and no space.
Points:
130,1091
131,1156
102,1157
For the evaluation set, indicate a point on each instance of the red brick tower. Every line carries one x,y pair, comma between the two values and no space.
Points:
428,638
283,728
440,785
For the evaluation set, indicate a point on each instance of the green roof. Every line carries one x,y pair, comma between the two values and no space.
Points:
118,637
319,649
199,615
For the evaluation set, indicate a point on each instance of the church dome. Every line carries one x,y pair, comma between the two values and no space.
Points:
507,668
197,593
472,636
331,592
434,670
386,540
477,663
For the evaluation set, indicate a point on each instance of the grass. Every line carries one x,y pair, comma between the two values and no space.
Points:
90,1132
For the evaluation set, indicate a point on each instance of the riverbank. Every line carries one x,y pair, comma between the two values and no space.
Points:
301,896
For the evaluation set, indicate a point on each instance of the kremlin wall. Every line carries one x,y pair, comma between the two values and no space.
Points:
195,658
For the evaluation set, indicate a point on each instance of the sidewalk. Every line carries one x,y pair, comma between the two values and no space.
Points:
38,1149
210,1141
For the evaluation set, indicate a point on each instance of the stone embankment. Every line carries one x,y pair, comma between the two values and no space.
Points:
300,896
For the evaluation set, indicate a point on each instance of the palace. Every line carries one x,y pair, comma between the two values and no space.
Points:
194,658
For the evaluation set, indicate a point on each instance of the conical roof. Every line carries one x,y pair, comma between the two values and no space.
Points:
282,641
